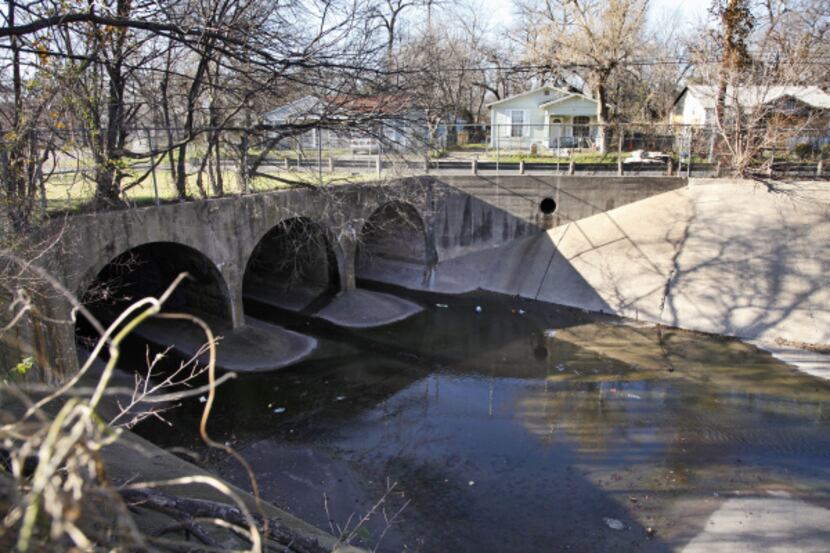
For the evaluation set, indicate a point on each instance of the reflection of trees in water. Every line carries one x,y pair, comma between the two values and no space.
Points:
721,394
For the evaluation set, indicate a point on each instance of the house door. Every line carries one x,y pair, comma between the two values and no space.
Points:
556,131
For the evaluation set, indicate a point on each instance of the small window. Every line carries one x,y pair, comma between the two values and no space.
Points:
517,121
581,126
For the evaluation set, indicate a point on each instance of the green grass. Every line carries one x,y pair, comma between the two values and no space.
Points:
73,194
577,157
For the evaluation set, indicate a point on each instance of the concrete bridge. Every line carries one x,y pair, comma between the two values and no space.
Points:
293,245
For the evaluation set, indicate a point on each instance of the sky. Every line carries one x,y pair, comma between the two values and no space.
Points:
688,12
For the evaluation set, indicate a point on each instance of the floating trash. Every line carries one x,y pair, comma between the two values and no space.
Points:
560,367
441,305
613,523
522,311
202,399
339,398
279,410
471,483
549,333
478,309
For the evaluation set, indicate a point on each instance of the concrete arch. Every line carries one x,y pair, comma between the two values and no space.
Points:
394,239
147,269
292,263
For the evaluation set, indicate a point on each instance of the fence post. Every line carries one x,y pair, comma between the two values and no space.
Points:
153,167
498,147
474,166
670,167
377,164
285,162
571,167
521,167
331,164
819,167
320,155
243,169
771,161
620,170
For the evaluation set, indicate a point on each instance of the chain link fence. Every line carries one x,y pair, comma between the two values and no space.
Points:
244,160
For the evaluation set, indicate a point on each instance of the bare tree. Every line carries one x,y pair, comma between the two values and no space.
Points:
760,57
592,39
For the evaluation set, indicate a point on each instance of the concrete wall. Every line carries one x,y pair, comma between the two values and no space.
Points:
741,259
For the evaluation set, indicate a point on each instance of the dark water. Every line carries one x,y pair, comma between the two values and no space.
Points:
518,428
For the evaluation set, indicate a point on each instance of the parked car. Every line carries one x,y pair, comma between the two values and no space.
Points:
365,145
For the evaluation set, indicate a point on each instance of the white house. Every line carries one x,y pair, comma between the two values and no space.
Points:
549,117
695,105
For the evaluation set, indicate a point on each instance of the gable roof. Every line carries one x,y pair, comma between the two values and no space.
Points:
561,93
565,99
307,108
754,96
312,108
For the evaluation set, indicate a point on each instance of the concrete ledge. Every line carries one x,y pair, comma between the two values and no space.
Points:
364,309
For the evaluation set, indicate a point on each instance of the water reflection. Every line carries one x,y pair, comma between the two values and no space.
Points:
518,427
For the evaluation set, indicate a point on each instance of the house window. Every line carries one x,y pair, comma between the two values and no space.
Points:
581,128
517,121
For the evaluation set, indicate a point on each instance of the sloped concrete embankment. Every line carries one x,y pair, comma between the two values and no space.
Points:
735,258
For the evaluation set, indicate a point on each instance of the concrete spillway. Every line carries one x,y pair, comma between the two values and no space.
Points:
732,258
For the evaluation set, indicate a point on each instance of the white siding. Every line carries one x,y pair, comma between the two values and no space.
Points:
535,130
693,111
574,106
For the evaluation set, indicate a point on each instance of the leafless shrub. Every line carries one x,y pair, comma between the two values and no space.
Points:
60,496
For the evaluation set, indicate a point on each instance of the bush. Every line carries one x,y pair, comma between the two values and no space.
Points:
825,151
804,150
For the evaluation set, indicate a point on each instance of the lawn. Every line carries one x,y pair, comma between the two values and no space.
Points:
73,193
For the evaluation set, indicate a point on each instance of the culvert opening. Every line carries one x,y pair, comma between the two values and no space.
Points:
293,265
547,206
147,271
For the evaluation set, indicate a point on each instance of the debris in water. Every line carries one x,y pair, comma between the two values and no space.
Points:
471,483
650,532
339,398
202,399
613,523
522,311
279,410
478,309
441,305
560,367
633,396
549,333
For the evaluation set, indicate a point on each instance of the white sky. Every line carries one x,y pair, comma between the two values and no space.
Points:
687,12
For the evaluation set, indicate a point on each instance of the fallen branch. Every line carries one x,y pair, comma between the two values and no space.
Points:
181,509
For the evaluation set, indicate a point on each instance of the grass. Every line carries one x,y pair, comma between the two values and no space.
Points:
577,157
72,193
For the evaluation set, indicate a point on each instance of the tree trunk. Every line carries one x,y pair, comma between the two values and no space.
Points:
602,115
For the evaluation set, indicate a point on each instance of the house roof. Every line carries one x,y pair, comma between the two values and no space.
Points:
562,93
307,108
312,108
753,96
565,99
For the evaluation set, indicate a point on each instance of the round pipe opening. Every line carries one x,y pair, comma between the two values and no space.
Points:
547,206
